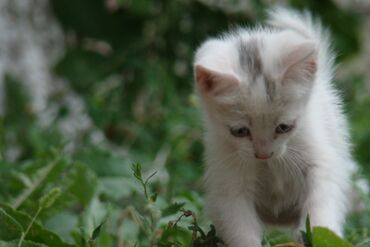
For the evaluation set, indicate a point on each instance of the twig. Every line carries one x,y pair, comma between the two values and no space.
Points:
146,183
23,236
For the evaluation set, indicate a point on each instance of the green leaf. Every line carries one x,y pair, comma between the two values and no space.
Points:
153,197
323,237
9,227
37,233
96,231
265,242
136,168
27,243
83,183
307,236
77,66
48,199
114,164
308,229
172,209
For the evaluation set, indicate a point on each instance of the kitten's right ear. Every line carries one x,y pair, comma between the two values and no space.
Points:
210,82
300,62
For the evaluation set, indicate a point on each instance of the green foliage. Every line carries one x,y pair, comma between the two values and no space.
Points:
14,243
48,200
131,178
323,237
36,232
307,236
10,228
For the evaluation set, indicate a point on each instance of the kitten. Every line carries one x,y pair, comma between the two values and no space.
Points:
277,145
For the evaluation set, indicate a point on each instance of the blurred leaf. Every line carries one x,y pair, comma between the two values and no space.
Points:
323,237
37,233
19,110
153,197
104,162
96,231
9,227
110,26
83,183
136,168
307,235
63,224
26,243
289,245
48,199
172,209
83,69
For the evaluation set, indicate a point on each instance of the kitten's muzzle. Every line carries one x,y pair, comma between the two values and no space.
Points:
263,156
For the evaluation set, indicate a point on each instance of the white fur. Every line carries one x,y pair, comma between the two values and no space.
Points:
311,166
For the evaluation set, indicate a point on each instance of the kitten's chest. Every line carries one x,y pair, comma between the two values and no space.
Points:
280,193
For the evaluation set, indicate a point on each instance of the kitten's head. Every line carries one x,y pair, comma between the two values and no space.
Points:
254,89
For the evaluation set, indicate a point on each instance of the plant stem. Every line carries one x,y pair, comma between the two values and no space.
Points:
29,227
145,192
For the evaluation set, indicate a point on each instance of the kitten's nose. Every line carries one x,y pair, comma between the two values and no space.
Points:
263,156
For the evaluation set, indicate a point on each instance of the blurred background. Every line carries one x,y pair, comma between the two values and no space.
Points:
89,87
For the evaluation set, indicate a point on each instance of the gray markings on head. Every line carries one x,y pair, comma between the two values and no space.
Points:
270,88
251,62
249,58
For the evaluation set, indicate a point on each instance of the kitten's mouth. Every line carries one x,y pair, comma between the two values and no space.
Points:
263,156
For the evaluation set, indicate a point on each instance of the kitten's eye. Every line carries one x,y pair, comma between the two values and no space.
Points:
283,128
240,132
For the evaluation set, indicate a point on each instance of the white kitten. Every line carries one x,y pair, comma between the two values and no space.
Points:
277,145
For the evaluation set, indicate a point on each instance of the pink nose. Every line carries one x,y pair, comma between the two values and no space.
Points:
263,156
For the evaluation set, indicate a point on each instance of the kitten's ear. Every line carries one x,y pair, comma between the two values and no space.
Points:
213,83
300,63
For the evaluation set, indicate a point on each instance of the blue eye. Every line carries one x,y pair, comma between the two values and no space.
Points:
283,128
240,131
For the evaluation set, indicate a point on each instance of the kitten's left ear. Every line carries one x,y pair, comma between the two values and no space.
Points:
300,63
213,69
212,82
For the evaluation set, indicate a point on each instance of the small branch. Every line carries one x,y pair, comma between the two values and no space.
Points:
145,185
29,227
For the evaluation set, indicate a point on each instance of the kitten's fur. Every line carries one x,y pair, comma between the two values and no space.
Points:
260,78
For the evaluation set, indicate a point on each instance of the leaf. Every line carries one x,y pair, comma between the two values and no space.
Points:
27,243
48,199
265,241
77,67
114,164
63,224
83,183
136,168
289,245
307,236
308,229
117,187
153,197
9,227
37,233
137,217
323,237
172,209
96,231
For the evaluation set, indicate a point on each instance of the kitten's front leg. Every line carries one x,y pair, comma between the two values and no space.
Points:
327,202
235,220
